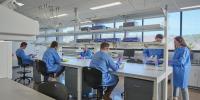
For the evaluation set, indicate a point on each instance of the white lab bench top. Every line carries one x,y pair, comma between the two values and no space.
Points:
141,71
10,90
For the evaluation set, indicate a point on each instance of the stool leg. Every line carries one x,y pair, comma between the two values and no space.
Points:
46,78
99,93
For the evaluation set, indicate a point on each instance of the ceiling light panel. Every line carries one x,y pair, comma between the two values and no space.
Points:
106,5
61,15
190,7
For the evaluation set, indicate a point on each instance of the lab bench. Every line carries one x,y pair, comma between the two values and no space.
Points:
147,80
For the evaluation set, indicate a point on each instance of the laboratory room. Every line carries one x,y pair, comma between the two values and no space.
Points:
99,50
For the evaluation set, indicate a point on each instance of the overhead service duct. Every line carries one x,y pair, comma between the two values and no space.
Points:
15,26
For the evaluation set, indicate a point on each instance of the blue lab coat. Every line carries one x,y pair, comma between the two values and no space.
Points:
181,67
52,59
25,58
103,62
87,54
153,52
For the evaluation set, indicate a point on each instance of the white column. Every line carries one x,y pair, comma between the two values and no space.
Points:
76,24
165,90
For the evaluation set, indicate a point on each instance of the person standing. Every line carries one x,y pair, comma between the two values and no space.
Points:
149,54
181,68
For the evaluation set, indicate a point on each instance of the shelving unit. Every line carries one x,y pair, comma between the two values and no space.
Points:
145,28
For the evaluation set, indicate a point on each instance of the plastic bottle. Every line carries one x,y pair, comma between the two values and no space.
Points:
156,61
120,58
145,59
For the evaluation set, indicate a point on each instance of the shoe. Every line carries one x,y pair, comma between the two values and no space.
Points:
175,98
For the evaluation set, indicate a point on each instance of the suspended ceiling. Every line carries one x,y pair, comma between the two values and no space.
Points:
31,9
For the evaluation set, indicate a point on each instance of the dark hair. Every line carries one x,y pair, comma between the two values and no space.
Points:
181,41
104,44
54,44
23,44
160,36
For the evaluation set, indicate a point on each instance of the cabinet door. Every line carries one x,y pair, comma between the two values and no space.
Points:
193,81
6,59
198,71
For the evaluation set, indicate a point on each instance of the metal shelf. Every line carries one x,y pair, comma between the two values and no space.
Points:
154,27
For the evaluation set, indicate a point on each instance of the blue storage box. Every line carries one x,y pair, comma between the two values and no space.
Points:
128,24
83,40
113,39
85,28
98,27
133,39
108,40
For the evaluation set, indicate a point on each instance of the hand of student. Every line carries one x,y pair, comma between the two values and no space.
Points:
121,65
79,57
150,58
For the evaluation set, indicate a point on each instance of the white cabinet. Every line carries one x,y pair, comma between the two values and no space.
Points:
194,79
5,59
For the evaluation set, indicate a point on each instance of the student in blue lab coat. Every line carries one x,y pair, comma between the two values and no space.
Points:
53,60
103,61
181,68
26,59
154,52
87,53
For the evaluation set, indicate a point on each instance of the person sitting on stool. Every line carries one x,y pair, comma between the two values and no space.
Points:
26,59
53,60
103,61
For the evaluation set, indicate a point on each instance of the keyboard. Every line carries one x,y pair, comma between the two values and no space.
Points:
135,61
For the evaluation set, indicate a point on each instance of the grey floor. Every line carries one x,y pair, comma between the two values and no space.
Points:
116,95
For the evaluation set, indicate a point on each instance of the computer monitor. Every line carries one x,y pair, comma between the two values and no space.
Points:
129,53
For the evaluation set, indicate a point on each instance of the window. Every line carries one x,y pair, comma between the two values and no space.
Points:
86,25
173,28
40,39
107,35
110,25
118,24
135,34
150,36
154,21
68,29
191,30
137,22
68,39
119,35
42,32
84,37
51,31
50,39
